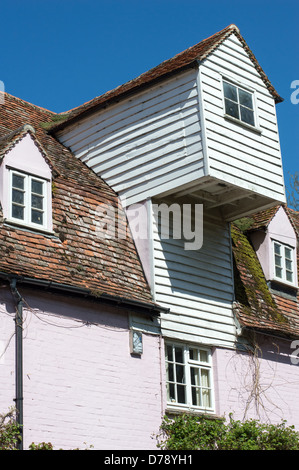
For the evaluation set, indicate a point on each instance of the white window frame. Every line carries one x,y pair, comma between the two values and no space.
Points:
26,221
240,86
187,365
283,266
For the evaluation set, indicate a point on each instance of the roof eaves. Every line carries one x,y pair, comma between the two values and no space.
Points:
136,305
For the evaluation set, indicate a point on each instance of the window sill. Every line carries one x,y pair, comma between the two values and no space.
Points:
284,283
255,129
181,409
28,227
282,288
171,411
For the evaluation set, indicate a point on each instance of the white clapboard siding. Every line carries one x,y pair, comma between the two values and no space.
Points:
143,143
197,286
237,154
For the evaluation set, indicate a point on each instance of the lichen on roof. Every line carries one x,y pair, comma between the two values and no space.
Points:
251,288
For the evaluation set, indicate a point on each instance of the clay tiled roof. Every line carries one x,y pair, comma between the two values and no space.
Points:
181,61
76,255
257,305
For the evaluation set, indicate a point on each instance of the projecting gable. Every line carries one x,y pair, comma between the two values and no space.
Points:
243,153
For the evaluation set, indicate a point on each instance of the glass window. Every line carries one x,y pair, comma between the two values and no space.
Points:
238,103
28,199
189,381
284,262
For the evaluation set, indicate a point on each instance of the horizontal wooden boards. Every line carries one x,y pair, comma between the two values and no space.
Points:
197,286
143,144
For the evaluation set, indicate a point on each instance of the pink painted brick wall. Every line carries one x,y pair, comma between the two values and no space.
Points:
263,387
81,384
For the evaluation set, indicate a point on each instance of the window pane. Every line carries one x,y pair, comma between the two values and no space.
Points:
36,202
170,372
18,181
170,392
205,378
276,249
289,276
18,212
194,354
37,187
37,217
289,265
181,394
245,99
195,380
288,253
18,196
232,109
204,356
169,355
230,91
247,116
196,401
180,374
278,272
206,398
277,260
179,355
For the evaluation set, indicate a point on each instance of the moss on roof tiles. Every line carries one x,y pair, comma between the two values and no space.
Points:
253,293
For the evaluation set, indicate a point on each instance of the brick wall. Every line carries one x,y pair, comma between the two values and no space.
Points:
81,384
261,386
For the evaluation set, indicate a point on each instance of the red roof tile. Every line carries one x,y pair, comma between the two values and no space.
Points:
181,61
257,306
76,256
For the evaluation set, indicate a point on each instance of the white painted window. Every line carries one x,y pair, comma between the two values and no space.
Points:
284,262
28,199
189,377
239,103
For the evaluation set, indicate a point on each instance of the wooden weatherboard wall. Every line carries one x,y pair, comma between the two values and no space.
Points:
237,154
149,141
197,285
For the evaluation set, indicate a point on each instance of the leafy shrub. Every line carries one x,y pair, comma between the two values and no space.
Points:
188,432
9,431
41,446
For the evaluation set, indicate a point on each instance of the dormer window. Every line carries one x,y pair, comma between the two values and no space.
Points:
239,103
26,183
28,201
283,262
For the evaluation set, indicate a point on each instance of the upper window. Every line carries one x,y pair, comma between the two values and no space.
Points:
189,377
238,103
28,199
284,262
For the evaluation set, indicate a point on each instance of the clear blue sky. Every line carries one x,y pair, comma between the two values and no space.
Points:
59,54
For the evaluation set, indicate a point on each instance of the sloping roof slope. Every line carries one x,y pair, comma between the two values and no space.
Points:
181,61
257,306
76,256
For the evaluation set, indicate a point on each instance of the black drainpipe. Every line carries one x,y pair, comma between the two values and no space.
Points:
18,358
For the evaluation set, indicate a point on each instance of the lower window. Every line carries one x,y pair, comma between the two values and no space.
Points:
189,377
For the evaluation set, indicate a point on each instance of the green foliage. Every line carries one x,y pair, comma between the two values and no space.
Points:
9,431
188,432
41,446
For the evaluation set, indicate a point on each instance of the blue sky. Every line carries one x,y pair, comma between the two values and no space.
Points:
60,54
